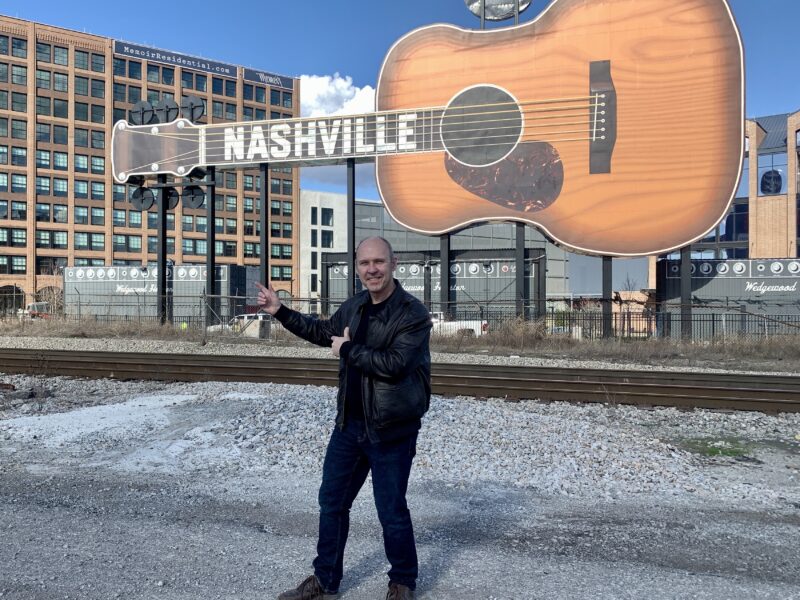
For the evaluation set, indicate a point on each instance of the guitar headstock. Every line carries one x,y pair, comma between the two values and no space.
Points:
160,148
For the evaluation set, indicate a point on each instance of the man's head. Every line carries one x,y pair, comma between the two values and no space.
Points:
375,264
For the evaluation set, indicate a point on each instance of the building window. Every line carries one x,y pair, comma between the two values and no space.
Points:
60,134
98,114
3,44
275,97
120,67
134,94
81,111
59,187
60,108
313,215
81,189
60,82
19,129
60,161
230,226
19,211
327,239
287,209
19,75
98,216
261,95
98,139
42,79
81,60
98,63
19,184
19,102
314,242
275,207
135,219
134,69
230,111
230,88
98,88
61,56
81,215
82,86
287,230
327,217
98,165
43,187
82,138
216,109
59,213
81,163
43,159
200,82
43,210
43,106
230,203
772,174
19,156
230,179
168,76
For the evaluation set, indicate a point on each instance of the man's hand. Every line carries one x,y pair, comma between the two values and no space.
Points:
268,299
336,341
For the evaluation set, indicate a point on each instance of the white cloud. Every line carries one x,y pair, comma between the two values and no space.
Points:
325,95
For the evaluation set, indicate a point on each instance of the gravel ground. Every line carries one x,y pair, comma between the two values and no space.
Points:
115,489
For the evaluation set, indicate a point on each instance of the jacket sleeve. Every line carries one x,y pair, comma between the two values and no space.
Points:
406,351
314,330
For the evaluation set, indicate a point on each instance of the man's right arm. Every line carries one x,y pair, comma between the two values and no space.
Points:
316,331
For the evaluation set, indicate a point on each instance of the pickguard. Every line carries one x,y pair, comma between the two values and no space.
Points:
529,179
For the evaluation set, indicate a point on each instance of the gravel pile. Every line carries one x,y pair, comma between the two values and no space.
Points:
585,451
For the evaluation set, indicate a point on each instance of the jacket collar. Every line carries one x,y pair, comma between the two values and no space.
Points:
399,296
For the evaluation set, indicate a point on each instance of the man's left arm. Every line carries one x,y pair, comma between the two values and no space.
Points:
405,352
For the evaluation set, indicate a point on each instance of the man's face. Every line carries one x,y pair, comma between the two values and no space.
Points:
375,269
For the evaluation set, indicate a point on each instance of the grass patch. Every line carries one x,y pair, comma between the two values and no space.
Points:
718,447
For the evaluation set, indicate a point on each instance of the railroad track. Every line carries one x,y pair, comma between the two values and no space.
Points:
768,393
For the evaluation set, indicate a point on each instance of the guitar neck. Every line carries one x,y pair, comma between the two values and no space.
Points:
321,140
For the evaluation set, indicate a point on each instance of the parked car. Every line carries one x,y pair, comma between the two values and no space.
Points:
458,326
35,310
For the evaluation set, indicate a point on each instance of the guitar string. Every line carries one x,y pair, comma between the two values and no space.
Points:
530,124
211,129
437,117
194,154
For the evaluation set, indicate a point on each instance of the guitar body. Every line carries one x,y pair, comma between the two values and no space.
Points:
677,72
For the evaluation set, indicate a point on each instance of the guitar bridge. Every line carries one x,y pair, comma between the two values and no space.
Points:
602,116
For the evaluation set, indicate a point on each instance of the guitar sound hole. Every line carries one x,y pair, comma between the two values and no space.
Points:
481,125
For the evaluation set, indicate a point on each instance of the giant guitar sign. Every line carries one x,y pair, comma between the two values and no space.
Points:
615,126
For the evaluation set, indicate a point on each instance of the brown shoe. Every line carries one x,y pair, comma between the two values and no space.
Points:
310,589
400,592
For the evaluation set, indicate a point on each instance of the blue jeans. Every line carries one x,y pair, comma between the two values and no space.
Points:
350,456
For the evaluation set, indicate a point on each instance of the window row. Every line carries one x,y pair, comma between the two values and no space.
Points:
280,273
324,236
19,47
281,250
13,265
280,186
327,216
277,205
45,53
55,160
15,238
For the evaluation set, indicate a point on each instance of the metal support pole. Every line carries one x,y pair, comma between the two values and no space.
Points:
351,227
541,285
263,274
686,293
519,261
161,250
426,283
264,254
483,14
444,277
608,325
211,242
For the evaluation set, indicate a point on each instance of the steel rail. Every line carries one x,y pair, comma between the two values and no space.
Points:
733,391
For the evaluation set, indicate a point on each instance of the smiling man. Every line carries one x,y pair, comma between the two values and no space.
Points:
381,337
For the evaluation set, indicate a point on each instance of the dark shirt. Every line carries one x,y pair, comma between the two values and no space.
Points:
354,403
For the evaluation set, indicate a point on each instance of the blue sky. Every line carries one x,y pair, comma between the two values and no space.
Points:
351,37
340,45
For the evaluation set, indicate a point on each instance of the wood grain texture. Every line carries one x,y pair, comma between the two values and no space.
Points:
677,70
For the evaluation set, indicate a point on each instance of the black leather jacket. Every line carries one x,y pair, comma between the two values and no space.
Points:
395,362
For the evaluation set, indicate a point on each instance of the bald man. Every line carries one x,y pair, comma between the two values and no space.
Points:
381,337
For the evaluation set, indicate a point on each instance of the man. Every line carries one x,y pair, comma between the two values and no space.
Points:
381,337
